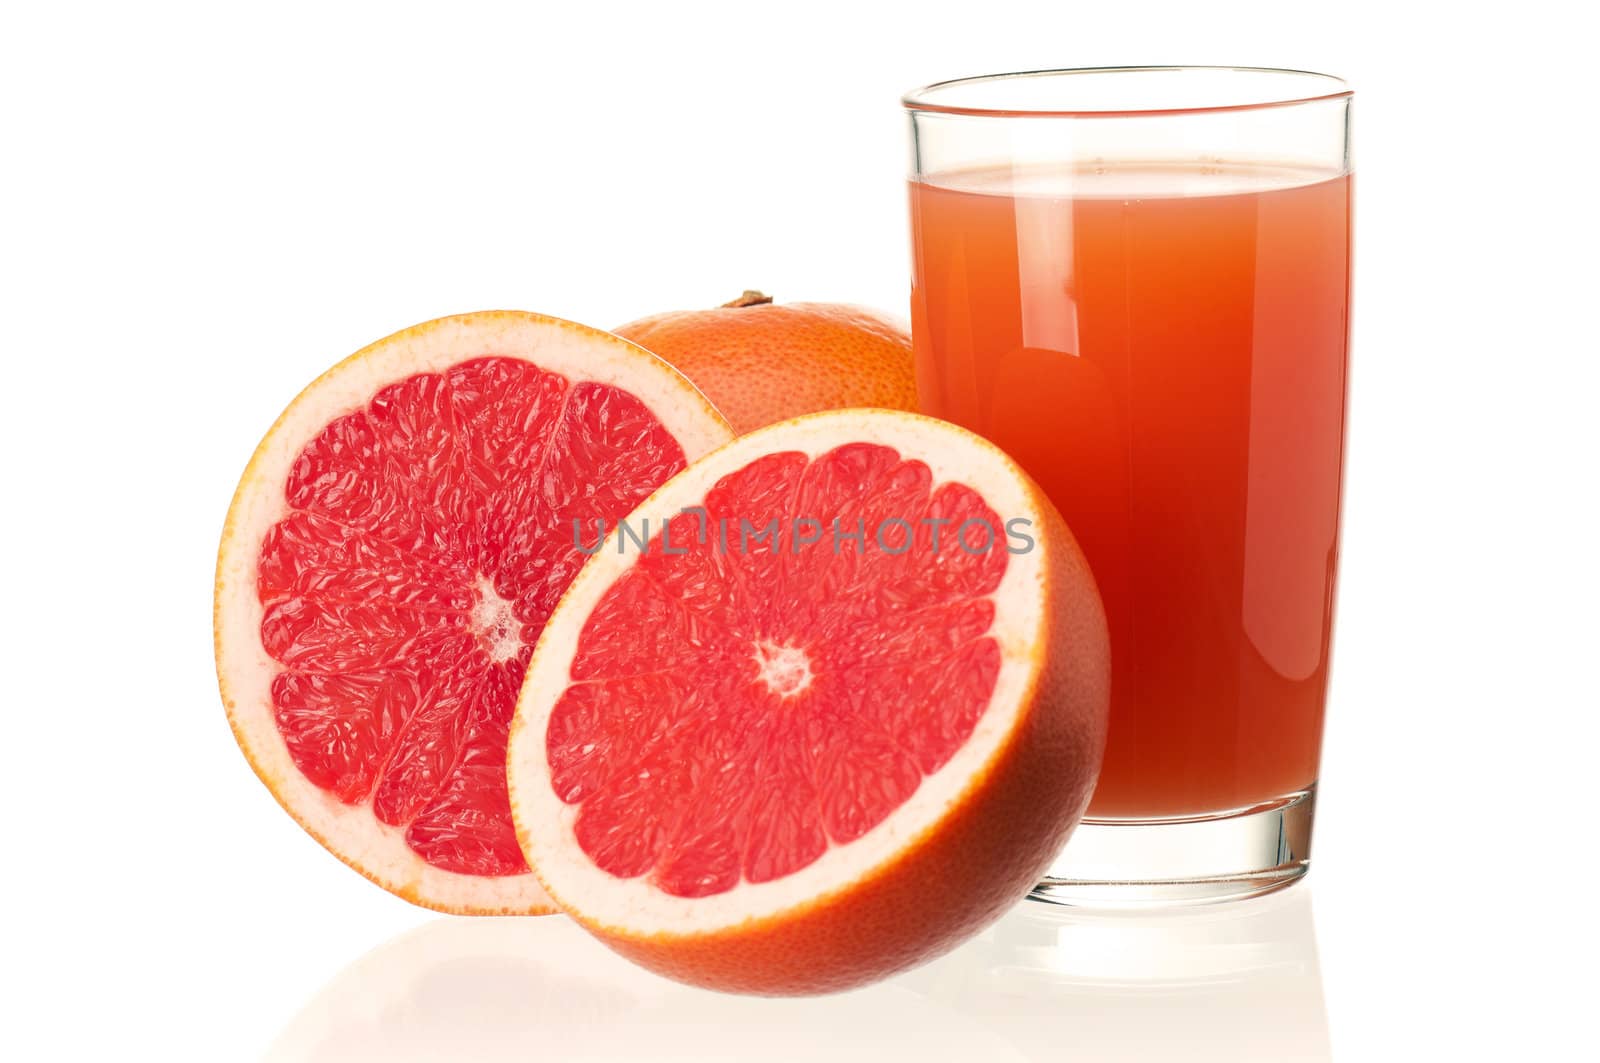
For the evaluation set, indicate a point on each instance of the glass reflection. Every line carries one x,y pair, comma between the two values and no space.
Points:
1236,982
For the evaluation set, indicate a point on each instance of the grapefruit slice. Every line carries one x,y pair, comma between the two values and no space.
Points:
786,763
393,551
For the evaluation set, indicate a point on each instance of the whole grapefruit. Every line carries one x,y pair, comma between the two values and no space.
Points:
761,362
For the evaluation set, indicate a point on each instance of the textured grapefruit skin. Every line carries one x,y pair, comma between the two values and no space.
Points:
766,363
995,840
323,399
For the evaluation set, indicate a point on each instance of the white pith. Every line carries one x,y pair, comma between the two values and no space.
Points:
545,824
786,670
495,623
244,668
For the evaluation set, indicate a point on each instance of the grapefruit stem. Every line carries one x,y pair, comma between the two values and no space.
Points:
751,297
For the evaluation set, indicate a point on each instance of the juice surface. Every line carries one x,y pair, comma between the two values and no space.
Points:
1163,348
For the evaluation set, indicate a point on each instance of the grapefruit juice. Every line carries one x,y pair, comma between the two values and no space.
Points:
1163,347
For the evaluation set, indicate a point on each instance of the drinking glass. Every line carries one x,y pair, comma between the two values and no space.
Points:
1136,281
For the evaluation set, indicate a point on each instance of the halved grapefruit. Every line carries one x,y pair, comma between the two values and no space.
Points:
392,553
794,757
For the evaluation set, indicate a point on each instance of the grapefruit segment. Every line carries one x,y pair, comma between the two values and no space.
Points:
393,551
757,758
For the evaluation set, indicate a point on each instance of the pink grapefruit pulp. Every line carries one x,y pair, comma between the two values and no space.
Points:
392,554
796,761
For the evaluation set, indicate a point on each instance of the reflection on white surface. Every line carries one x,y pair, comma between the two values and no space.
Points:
1233,982
1237,981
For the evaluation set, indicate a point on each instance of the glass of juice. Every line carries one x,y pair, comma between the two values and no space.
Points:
1136,281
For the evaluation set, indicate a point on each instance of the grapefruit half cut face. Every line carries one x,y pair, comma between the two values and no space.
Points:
834,708
393,552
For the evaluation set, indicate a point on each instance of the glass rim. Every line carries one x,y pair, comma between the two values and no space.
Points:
917,100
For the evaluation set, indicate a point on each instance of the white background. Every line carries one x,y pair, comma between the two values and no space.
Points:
202,208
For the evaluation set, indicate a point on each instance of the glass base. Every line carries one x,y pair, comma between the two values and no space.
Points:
1194,860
